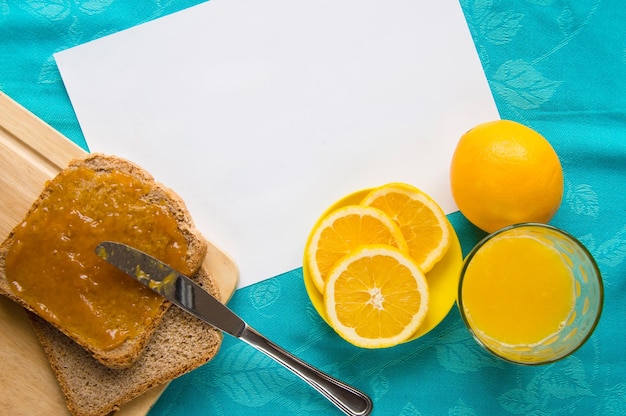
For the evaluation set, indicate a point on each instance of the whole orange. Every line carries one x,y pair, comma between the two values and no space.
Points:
502,173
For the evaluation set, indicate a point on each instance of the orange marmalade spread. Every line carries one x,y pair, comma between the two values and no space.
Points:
52,263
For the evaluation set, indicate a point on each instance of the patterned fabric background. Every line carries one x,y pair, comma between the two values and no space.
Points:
558,66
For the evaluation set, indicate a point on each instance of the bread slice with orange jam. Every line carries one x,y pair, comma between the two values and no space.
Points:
48,263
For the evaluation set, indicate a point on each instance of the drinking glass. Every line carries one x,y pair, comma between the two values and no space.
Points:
587,290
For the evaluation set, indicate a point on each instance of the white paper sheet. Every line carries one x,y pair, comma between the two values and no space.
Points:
261,113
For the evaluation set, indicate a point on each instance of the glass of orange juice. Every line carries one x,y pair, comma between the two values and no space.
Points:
530,293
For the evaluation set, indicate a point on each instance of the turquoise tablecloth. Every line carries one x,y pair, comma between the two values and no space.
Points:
557,66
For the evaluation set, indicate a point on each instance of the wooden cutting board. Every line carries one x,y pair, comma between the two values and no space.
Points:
32,152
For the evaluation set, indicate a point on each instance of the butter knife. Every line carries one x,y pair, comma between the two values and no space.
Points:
188,295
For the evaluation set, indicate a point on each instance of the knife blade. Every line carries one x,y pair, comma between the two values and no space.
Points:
174,286
191,297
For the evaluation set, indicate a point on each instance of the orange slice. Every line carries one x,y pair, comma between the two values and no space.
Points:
376,297
342,231
421,220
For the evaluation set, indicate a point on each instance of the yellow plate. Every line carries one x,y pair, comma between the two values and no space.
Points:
443,278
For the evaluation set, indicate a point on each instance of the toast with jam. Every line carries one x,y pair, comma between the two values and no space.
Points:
107,337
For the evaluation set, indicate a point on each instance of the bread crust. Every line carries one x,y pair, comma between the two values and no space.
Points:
127,353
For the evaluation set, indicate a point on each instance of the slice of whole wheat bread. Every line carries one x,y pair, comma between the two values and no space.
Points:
180,344
130,350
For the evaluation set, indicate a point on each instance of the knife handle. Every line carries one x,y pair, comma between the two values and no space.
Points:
350,400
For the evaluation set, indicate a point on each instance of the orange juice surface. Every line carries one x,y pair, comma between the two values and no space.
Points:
517,290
